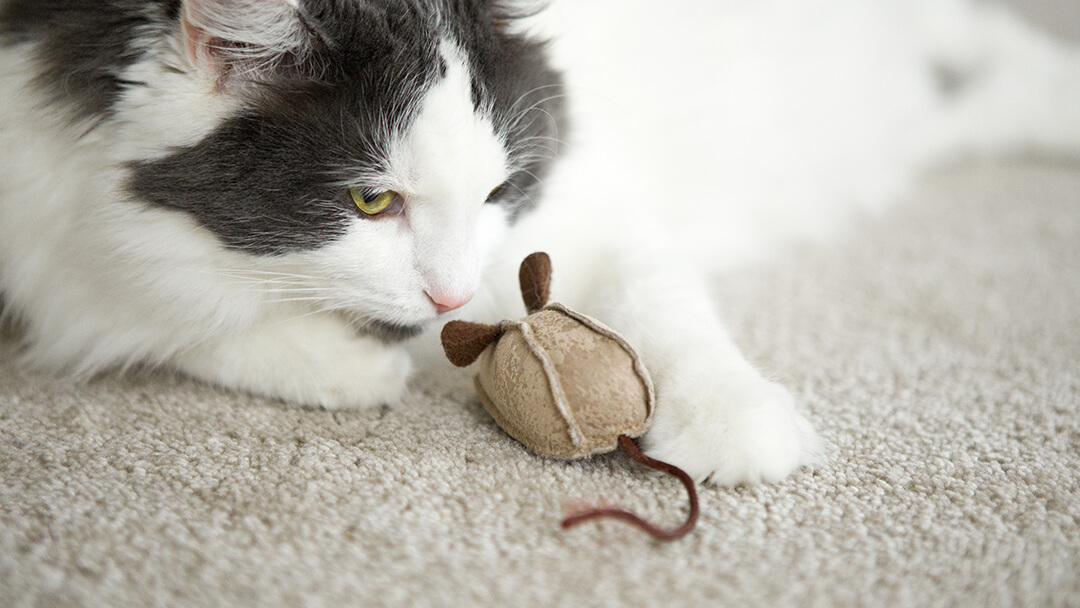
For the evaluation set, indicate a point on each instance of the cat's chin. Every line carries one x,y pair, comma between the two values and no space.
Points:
389,332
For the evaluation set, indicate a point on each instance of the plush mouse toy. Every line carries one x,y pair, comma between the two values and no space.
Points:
563,384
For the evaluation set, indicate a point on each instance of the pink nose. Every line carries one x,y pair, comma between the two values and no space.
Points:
446,303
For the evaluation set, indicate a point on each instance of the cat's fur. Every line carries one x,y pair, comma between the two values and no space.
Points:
174,177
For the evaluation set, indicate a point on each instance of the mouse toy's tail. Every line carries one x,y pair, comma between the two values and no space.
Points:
628,446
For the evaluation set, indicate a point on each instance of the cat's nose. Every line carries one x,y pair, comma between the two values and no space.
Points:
444,303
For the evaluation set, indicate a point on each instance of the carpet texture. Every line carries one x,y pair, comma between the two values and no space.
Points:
936,348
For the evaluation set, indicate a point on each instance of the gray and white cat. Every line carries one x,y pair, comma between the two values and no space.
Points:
281,196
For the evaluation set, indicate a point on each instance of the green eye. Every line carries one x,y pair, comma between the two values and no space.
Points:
373,205
495,195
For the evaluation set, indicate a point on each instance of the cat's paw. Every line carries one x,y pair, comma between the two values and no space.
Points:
353,374
314,361
730,430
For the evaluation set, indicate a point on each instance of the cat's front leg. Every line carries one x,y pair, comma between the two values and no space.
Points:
721,421
717,417
315,360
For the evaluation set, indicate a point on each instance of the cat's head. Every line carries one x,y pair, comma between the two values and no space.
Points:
374,150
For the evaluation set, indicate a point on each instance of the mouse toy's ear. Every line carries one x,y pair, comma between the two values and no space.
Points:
463,342
535,278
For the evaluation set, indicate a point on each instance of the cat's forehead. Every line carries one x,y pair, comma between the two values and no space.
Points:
355,36
393,120
397,37
450,148
378,59
380,64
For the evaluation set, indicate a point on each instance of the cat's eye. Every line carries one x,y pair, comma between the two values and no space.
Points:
373,204
497,193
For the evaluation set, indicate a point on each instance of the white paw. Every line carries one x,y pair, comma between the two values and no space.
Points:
738,429
315,361
355,373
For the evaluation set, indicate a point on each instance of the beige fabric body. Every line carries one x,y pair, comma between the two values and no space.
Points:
565,385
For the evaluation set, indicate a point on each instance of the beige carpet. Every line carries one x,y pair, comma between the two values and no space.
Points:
937,348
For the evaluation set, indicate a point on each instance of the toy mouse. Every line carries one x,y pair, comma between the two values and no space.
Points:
564,385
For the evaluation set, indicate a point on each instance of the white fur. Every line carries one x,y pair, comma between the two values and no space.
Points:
808,110
775,119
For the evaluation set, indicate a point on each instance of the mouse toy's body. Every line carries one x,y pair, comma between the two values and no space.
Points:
563,384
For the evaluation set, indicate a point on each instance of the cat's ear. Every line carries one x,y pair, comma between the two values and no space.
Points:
237,40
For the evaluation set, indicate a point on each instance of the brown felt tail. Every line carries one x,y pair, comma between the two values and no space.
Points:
627,444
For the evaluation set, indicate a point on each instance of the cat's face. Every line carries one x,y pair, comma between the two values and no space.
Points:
373,153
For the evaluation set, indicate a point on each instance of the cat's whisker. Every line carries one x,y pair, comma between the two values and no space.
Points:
529,147
245,272
528,141
298,292
531,174
525,195
526,159
269,279
515,123
257,283
554,139
535,150
307,314
294,300
514,106
518,114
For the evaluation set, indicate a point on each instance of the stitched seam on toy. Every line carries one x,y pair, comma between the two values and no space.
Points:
639,365
557,393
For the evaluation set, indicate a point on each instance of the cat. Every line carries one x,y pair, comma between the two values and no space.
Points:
289,197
